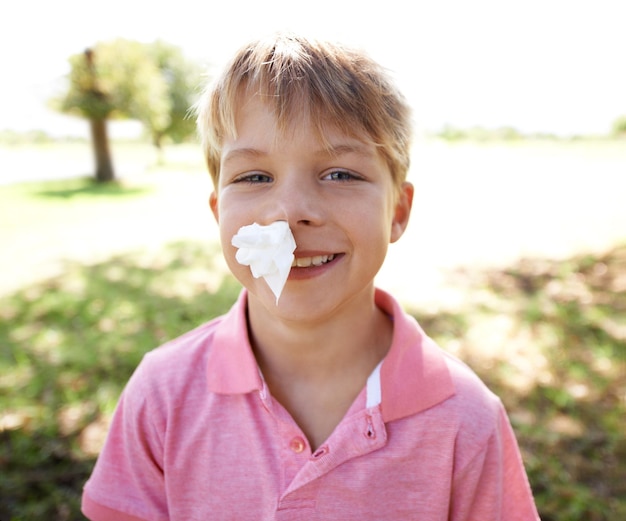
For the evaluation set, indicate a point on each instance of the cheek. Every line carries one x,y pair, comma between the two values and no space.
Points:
229,225
231,219
373,222
229,252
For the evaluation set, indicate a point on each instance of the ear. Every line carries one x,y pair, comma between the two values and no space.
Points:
402,211
214,206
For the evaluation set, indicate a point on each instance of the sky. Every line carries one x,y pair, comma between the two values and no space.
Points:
550,66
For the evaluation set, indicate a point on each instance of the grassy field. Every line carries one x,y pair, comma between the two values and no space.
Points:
515,261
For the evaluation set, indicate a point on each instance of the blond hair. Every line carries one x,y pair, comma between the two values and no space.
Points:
332,84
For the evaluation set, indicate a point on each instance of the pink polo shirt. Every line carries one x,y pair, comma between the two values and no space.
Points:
196,437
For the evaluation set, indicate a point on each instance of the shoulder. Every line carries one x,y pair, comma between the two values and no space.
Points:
167,371
472,398
182,353
474,416
215,357
186,358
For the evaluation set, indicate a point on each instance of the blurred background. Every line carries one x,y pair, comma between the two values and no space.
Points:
515,257
539,67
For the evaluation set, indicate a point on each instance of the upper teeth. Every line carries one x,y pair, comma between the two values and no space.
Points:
305,262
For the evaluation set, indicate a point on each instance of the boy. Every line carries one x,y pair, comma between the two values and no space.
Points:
321,400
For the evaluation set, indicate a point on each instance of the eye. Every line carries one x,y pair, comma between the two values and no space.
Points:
253,178
341,175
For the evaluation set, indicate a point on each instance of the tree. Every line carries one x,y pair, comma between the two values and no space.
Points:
151,83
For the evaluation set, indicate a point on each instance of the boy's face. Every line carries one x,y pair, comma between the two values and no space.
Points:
341,206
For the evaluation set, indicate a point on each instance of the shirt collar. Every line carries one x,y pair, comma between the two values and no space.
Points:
232,368
414,375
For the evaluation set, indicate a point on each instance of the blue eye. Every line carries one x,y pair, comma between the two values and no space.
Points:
341,175
253,178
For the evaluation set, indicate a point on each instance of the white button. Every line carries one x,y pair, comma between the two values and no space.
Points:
297,445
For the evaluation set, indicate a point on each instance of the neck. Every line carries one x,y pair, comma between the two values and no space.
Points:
357,338
316,368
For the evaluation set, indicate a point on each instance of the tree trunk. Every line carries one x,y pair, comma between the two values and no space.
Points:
100,141
157,141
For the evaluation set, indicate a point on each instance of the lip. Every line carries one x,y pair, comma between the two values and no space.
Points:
306,259
297,272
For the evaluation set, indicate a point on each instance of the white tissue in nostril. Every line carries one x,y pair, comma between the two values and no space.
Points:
268,250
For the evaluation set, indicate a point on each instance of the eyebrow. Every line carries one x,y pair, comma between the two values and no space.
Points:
346,148
243,153
331,150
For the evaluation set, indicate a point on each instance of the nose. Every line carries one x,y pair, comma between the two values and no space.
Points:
297,201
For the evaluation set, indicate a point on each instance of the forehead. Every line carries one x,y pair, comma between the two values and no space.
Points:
256,121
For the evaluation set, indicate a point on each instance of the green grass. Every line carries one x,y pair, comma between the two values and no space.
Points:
549,337
69,344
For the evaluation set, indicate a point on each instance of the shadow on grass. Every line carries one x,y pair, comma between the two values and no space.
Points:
67,189
550,339
67,348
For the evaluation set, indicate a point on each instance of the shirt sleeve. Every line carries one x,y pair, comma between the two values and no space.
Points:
127,483
493,486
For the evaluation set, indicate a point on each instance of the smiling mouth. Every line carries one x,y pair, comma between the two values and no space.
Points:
306,262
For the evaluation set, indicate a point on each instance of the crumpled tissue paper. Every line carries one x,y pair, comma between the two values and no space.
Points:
268,250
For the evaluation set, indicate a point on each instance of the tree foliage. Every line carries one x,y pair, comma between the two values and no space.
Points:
152,83
181,77
126,79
